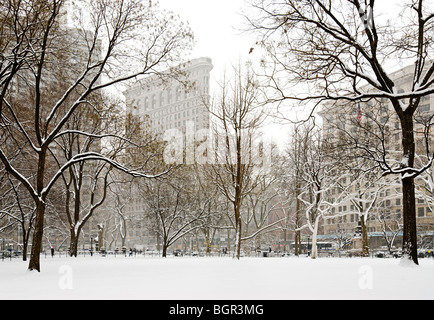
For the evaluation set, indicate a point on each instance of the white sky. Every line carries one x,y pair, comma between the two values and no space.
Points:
215,25
217,28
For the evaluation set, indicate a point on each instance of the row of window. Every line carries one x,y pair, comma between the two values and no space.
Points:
387,203
182,124
387,215
179,111
170,96
366,112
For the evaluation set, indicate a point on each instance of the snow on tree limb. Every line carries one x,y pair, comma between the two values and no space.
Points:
93,156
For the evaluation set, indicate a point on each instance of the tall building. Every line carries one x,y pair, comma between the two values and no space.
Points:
375,126
171,104
166,105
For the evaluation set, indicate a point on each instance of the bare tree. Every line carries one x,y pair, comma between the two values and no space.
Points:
206,196
17,210
261,203
35,43
316,176
336,49
296,159
173,206
238,117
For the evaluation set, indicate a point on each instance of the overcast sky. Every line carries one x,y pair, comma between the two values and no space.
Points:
215,25
217,28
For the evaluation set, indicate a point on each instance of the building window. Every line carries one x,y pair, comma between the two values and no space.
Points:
178,93
146,103
153,102
169,96
424,108
421,212
161,99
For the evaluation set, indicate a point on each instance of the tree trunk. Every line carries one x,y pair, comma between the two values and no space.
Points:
73,246
207,242
38,233
237,234
314,239
297,243
258,242
409,241
297,236
365,244
25,252
37,237
237,213
25,245
25,242
314,246
164,254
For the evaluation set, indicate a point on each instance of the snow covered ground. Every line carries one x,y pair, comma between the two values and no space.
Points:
216,278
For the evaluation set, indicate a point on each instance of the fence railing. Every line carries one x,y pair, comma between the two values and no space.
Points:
12,255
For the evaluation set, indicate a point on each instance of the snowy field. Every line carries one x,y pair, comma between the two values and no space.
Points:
217,278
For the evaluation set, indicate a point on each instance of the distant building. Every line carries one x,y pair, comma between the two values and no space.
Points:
171,104
166,105
374,123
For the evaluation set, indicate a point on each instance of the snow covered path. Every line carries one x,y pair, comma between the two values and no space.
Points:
217,279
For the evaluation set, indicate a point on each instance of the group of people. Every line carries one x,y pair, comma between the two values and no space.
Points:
124,251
